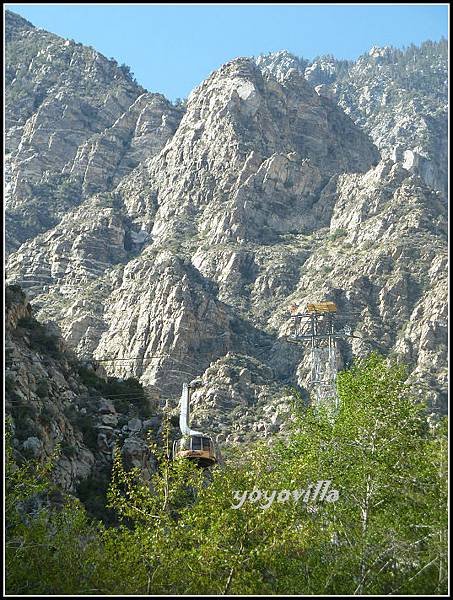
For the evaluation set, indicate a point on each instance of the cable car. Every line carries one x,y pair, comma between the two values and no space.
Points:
198,448
193,445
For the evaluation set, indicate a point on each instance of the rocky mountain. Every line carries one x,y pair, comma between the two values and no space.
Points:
399,97
195,228
52,398
76,123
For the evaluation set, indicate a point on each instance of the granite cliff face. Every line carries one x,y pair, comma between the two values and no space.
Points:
399,97
76,122
54,399
195,228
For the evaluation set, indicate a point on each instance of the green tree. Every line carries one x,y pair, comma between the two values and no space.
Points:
386,533
179,533
50,545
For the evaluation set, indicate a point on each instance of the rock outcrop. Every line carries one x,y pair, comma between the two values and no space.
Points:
76,122
182,259
399,97
53,399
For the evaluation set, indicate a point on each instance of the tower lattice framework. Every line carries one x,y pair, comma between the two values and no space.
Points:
320,327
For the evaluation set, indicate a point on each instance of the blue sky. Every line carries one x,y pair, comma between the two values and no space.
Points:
173,48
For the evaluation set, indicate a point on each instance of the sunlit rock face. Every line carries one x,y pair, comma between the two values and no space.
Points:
399,97
76,123
192,229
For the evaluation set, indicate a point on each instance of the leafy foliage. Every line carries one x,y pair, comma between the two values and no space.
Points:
125,394
179,532
48,550
40,338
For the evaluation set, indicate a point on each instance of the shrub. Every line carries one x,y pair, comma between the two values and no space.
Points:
89,378
92,491
125,394
48,413
42,389
326,268
68,449
40,338
338,233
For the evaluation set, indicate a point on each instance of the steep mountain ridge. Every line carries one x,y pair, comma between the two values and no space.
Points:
55,399
75,123
399,97
260,192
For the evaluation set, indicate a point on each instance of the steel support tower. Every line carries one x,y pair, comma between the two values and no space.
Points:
320,327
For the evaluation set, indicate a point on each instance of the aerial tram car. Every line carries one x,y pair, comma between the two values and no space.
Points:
193,445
